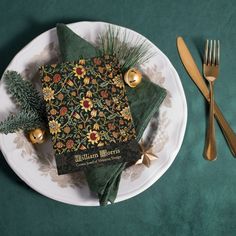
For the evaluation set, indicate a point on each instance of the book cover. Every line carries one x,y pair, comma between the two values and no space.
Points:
88,114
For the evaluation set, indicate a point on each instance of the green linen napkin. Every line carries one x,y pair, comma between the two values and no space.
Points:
144,101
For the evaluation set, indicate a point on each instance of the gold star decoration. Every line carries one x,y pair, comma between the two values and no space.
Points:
147,155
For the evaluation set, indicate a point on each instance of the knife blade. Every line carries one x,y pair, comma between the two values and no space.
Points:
196,76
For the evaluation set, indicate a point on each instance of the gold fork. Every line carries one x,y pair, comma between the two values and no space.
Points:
211,70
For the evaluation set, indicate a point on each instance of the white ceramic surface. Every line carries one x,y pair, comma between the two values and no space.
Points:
36,165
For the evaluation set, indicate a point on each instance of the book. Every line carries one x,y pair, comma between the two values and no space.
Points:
88,114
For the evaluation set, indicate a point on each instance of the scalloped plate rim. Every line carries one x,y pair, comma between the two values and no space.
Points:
148,183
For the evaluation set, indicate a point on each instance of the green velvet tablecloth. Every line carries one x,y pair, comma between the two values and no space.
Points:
194,197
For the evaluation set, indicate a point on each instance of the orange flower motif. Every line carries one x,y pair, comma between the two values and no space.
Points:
104,94
60,96
97,61
108,102
53,111
111,126
79,71
59,145
46,78
56,78
63,111
69,143
67,129
121,122
101,114
86,104
73,93
113,89
93,136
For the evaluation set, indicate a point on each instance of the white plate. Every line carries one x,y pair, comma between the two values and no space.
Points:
37,168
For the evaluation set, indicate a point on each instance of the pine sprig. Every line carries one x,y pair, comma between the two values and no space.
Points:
23,120
112,43
33,112
23,92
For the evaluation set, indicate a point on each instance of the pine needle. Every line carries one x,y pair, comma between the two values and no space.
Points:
32,114
23,92
23,120
122,47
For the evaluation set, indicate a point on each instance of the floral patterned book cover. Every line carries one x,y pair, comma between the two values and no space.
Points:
88,114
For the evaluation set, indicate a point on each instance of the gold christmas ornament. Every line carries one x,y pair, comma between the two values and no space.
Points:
133,77
147,156
37,136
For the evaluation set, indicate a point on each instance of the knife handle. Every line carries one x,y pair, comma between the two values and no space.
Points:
196,76
229,134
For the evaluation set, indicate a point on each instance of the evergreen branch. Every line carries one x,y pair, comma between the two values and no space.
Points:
128,55
24,93
32,114
23,120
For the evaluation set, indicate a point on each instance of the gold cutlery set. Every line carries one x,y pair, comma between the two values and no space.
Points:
210,72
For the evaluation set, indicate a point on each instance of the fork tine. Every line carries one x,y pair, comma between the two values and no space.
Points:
218,53
214,53
206,52
210,53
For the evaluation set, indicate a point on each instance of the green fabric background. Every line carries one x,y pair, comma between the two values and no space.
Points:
194,197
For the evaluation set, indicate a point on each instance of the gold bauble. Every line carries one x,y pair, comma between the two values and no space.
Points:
133,77
37,136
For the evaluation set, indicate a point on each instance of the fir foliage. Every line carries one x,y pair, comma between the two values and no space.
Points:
22,121
23,92
33,112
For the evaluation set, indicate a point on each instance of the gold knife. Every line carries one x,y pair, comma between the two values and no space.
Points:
196,76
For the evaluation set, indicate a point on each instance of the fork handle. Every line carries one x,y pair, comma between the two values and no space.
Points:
210,145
